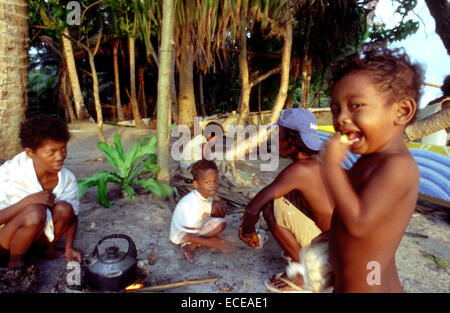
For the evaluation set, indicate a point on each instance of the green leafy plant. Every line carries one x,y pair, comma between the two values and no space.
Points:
131,168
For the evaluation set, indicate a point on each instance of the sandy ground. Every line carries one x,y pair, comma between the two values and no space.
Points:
147,220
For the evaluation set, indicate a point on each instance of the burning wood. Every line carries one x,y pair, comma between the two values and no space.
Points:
173,285
134,286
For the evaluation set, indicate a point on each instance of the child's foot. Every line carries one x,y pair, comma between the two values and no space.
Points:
220,244
188,251
282,283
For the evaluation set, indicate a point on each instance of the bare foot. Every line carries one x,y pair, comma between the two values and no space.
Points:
220,244
188,251
283,283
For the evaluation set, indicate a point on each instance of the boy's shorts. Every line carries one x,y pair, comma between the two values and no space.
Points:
209,224
290,217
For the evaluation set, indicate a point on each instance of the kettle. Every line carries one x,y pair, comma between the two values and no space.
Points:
112,270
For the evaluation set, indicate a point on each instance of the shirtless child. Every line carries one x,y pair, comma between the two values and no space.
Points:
374,97
198,219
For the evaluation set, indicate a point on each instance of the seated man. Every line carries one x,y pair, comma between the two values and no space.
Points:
296,205
38,196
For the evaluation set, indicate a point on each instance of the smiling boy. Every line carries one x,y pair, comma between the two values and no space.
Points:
374,97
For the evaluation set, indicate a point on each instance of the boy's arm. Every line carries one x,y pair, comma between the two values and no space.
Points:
219,208
383,189
45,197
285,182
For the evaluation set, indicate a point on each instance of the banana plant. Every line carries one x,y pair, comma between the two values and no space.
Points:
131,167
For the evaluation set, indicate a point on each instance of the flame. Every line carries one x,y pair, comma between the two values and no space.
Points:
134,286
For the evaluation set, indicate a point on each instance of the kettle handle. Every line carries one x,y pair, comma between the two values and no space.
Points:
131,246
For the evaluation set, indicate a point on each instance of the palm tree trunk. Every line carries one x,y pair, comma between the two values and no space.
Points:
98,106
13,74
164,76
440,10
66,98
141,92
306,66
80,108
134,104
120,116
244,104
186,96
427,126
285,65
173,91
200,91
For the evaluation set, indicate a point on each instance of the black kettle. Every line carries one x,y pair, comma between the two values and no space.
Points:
112,270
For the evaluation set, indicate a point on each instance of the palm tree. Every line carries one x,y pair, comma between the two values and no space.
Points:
80,108
120,115
440,10
164,77
13,74
427,126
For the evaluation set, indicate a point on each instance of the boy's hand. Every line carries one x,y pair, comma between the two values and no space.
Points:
219,208
250,239
45,197
335,149
73,254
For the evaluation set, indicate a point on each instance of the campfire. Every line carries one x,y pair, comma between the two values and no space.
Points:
134,286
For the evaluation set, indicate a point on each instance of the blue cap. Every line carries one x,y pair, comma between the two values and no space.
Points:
304,122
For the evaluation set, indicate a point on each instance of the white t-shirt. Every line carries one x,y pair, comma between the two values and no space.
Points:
190,212
192,152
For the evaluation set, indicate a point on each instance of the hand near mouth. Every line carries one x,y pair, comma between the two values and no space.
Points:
335,149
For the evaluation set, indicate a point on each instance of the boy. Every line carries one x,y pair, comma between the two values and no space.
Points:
296,204
374,97
198,219
38,196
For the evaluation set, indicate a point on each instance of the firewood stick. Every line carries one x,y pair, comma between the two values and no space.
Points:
177,284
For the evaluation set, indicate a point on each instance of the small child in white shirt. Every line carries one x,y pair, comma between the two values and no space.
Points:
198,219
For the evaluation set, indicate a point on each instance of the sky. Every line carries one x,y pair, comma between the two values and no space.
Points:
425,46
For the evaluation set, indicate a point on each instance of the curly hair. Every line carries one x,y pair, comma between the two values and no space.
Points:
202,166
36,129
390,69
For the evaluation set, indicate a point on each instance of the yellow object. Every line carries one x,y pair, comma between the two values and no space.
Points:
290,217
344,138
